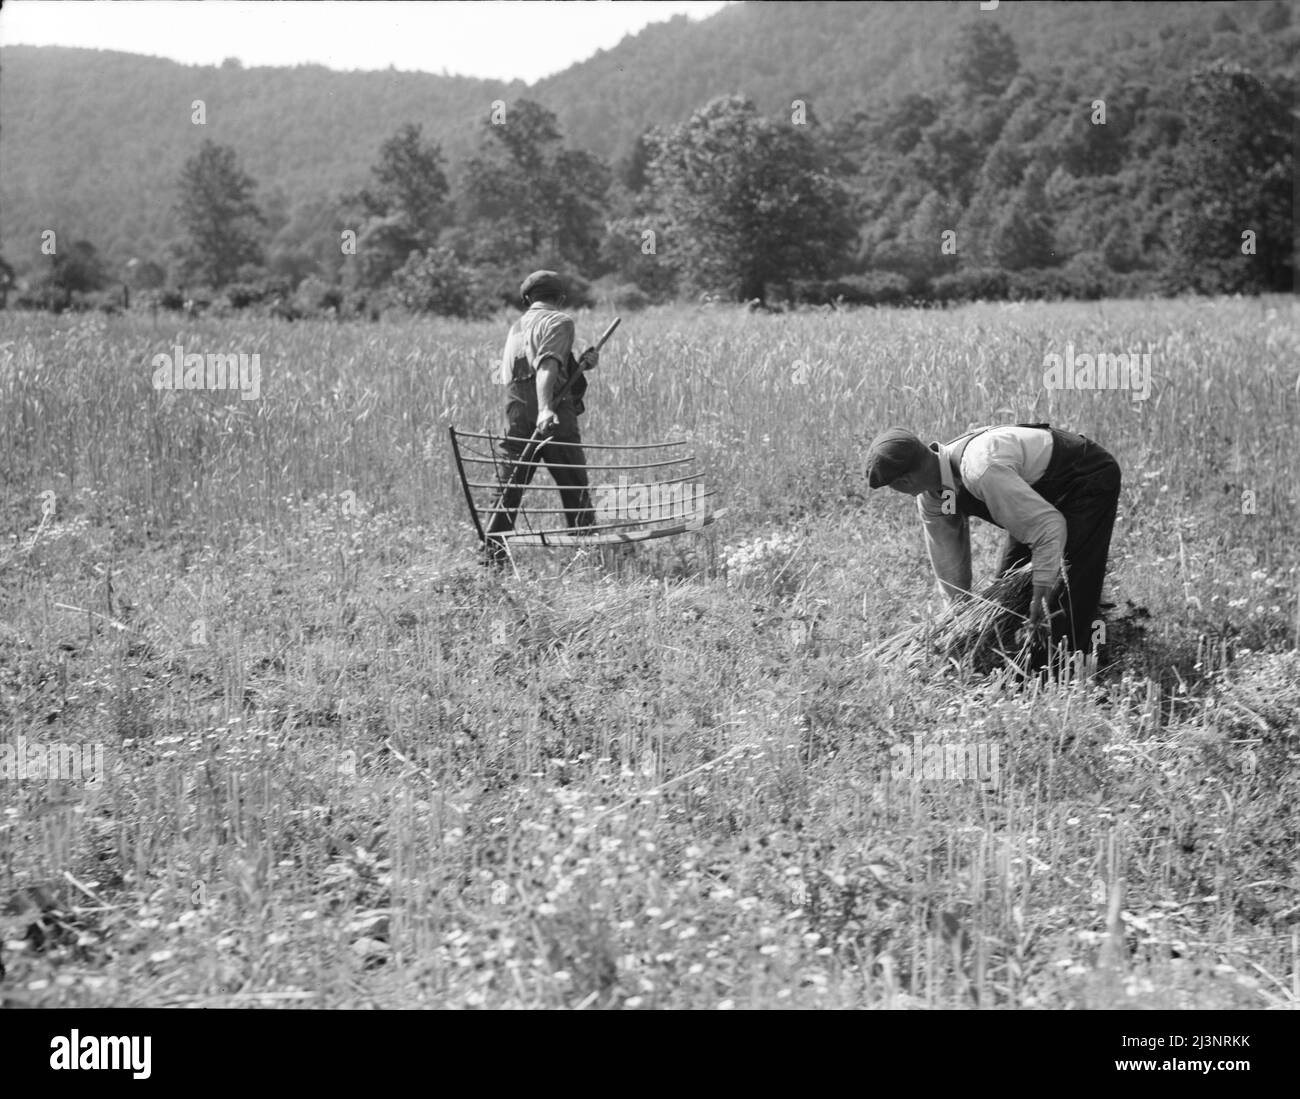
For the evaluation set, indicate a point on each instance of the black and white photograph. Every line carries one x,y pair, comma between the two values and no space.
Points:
670,507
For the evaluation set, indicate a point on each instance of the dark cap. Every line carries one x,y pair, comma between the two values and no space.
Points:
546,284
892,454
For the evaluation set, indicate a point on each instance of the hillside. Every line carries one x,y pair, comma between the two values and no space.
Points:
844,57
91,142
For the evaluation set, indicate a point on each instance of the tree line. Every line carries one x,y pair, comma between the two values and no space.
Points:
1004,184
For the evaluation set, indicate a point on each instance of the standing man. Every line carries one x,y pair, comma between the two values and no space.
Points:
536,363
1054,493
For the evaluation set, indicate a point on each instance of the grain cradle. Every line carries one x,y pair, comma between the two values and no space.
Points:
655,494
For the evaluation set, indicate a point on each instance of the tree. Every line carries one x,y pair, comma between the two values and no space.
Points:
1276,17
403,211
436,282
309,243
625,252
1234,173
6,282
144,274
409,181
747,201
948,157
1090,148
919,249
632,168
221,221
74,269
902,127
527,199
1120,247
1022,235
986,59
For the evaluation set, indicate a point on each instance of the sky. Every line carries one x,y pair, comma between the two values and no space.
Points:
501,39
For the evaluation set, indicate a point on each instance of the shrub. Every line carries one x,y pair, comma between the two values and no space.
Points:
973,284
875,288
871,288
44,297
625,296
105,301
435,281
315,297
241,295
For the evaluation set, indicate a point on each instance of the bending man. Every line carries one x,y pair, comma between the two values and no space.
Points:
1054,493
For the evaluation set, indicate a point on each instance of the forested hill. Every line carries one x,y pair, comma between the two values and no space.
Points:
92,142
844,57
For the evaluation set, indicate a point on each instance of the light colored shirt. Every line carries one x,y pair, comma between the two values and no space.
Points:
541,333
998,468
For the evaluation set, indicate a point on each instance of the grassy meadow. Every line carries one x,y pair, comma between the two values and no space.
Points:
345,767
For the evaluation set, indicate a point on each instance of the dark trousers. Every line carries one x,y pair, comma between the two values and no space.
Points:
514,476
1086,492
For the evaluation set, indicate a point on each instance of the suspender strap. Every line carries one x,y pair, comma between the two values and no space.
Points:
957,448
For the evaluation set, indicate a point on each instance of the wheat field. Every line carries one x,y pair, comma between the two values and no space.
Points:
344,767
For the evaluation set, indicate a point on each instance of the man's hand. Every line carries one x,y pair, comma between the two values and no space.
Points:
547,421
589,359
1036,628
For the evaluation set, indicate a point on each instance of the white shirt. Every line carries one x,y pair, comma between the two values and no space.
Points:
998,468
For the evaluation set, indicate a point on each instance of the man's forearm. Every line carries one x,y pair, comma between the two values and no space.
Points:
547,375
947,538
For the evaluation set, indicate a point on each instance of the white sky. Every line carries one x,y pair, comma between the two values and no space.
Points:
505,39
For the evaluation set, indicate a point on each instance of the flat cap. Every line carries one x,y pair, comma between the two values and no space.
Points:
542,282
892,454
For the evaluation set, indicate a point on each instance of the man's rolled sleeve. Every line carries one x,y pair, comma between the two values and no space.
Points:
1026,516
947,539
554,339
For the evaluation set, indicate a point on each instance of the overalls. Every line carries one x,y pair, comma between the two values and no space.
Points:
1082,481
562,449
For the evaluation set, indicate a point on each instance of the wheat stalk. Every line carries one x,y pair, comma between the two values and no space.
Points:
979,630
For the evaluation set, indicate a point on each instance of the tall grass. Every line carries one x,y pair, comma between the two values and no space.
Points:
365,408
345,769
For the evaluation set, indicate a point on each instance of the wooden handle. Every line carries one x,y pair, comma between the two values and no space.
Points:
607,333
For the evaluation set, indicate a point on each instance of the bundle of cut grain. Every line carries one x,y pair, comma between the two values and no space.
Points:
979,633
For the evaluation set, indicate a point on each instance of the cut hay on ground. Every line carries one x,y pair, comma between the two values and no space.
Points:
979,633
